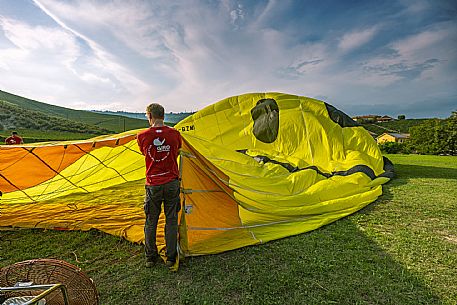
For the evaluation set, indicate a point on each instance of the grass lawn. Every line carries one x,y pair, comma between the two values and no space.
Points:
401,249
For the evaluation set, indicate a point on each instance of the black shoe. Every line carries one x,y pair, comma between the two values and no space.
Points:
151,262
170,264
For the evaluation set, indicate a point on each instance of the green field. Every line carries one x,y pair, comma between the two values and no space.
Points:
114,123
401,249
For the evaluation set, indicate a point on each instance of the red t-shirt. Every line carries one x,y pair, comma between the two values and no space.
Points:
13,140
160,147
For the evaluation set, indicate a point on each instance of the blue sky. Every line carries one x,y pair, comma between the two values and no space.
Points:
363,57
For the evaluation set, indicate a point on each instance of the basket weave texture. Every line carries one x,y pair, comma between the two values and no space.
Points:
81,289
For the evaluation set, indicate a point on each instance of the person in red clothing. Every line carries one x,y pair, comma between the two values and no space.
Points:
160,146
14,139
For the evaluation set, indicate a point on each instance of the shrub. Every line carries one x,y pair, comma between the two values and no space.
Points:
435,137
394,148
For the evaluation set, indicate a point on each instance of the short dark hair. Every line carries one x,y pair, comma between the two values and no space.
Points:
14,132
156,110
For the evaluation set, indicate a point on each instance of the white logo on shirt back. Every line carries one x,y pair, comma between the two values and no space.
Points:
160,147
157,142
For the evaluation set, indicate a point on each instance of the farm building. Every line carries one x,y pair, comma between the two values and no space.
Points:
392,137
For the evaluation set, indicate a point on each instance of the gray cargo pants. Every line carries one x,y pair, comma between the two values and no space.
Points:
167,193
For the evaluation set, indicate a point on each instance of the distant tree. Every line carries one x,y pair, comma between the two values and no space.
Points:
401,117
435,136
424,138
451,134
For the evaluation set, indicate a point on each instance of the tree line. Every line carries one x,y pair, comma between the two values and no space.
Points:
431,137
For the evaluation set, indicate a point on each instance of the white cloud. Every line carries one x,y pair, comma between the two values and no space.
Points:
422,43
419,67
426,50
356,39
40,54
48,64
134,23
200,63
40,39
237,16
102,59
188,54
188,62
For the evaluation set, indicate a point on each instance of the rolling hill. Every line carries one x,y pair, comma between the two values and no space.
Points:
15,117
171,118
112,123
399,126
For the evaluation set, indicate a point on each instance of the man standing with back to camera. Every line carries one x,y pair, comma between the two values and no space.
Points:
160,146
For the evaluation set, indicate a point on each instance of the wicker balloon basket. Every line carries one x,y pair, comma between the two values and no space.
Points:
80,288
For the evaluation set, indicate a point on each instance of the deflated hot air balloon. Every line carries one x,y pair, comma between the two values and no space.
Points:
287,165
254,168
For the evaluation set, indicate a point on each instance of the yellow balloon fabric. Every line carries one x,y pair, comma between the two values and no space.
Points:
290,166
254,168
74,185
